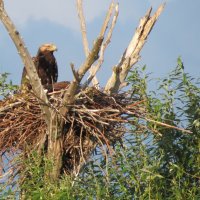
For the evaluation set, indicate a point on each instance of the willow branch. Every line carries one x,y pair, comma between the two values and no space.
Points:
27,60
132,53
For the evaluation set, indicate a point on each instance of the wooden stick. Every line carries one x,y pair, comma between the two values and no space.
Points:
167,125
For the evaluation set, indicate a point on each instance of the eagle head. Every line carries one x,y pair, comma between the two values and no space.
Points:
48,48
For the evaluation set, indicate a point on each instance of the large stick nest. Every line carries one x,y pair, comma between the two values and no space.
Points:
94,119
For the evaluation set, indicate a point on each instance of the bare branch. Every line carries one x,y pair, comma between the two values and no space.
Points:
131,54
94,69
92,57
83,27
74,72
26,58
167,125
107,20
8,107
95,82
84,33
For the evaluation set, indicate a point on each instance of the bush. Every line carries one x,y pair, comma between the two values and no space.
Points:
152,162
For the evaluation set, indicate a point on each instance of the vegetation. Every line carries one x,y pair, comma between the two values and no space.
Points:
6,88
71,133
145,146
154,162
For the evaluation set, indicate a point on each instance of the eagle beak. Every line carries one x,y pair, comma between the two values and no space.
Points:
53,48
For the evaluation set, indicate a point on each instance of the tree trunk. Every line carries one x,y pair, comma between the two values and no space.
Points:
55,145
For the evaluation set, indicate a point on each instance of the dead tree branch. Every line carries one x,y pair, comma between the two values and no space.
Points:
27,60
71,92
83,27
132,53
95,68
84,34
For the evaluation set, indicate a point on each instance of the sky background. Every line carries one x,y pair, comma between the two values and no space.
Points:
177,33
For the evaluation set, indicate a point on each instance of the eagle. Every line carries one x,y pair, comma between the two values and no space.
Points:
46,67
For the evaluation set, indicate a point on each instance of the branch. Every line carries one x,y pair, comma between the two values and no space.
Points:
94,69
132,53
26,58
83,27
107,19
84,34
9,106
69,95
74,72
167,125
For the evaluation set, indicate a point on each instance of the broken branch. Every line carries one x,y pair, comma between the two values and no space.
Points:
71,92
131,54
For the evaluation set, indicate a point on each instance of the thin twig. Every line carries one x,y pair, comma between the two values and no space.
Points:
6,108
167,125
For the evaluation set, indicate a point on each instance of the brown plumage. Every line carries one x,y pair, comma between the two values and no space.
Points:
46,66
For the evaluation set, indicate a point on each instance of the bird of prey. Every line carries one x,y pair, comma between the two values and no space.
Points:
46,66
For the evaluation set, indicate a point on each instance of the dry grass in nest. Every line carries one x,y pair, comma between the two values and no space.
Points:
94,119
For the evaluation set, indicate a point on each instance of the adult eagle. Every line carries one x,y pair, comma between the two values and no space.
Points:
46,66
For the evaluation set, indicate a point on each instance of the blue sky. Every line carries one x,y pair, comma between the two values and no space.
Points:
177,33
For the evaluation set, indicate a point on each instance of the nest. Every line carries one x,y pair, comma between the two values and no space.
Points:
94,119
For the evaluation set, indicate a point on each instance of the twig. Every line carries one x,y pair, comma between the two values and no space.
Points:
167,125
84,34
107,20
6,108
74,72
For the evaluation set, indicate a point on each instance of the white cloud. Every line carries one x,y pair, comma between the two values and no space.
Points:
62,12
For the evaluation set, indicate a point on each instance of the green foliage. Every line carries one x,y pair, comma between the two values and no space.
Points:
155,162
176,102
39,186
6,88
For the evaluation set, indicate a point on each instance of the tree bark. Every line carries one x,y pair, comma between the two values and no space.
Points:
55,145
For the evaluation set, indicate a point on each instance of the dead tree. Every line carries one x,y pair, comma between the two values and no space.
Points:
57,110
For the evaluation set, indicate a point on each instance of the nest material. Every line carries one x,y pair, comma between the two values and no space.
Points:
94,119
